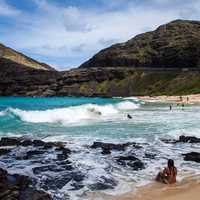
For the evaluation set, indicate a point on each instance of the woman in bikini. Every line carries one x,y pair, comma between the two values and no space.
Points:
168,175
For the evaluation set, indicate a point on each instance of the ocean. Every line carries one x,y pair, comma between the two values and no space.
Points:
82,121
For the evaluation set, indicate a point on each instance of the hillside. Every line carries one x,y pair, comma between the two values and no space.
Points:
173,45
162,62
12,55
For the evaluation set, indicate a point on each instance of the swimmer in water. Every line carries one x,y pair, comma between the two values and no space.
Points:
129,116
94,111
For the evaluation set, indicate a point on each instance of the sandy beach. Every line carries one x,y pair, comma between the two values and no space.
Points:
187,189
186,99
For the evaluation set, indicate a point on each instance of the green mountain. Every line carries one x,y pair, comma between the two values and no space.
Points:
173,45
162,62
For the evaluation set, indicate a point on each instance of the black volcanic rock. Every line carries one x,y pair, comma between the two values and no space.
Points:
192,156
6,141
19,187
130,161
4,151
103,184
183,139
173,45
188,139
109,146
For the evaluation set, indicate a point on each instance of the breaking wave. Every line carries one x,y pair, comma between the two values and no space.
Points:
75,114
2,113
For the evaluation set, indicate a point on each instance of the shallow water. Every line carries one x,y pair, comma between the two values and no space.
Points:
81,121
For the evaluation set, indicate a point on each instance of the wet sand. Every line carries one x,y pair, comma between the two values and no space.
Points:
187,189
186,99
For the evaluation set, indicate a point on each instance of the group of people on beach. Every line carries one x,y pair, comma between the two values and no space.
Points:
182,103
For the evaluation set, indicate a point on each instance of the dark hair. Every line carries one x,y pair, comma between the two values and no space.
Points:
170,163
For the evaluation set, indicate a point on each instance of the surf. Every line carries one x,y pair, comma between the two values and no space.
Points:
75,114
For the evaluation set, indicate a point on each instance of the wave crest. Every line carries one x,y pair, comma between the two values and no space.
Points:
75,114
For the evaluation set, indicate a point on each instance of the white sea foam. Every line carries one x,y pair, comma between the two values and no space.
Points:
131,98
127,105
75,114
2,113
146,128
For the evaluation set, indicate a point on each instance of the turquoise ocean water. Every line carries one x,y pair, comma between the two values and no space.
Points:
82,121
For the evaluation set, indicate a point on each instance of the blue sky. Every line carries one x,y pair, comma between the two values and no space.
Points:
65,33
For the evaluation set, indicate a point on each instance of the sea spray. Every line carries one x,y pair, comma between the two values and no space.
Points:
74,114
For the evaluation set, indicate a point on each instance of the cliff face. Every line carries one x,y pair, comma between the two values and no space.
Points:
20,80
12,55
173,45
163,62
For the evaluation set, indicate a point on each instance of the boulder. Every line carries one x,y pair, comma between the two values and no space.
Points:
106,151
3,174
64,153
109,146
188,139
38,143
150,155
183,139
4,151
58,182
31,194
32,153
6,141
49,145
26,143
20,181
103,184
19,187
192,156
130,161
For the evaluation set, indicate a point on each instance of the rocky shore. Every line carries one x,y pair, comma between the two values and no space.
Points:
19,187
52,161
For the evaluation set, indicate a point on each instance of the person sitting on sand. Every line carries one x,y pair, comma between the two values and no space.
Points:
168,175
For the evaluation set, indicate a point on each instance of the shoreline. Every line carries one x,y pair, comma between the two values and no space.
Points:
62,162
188,188
181,99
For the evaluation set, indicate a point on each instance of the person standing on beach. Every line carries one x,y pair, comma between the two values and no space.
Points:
168,175
170,107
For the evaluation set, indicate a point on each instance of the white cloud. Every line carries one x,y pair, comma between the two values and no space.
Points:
7,10
75,33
